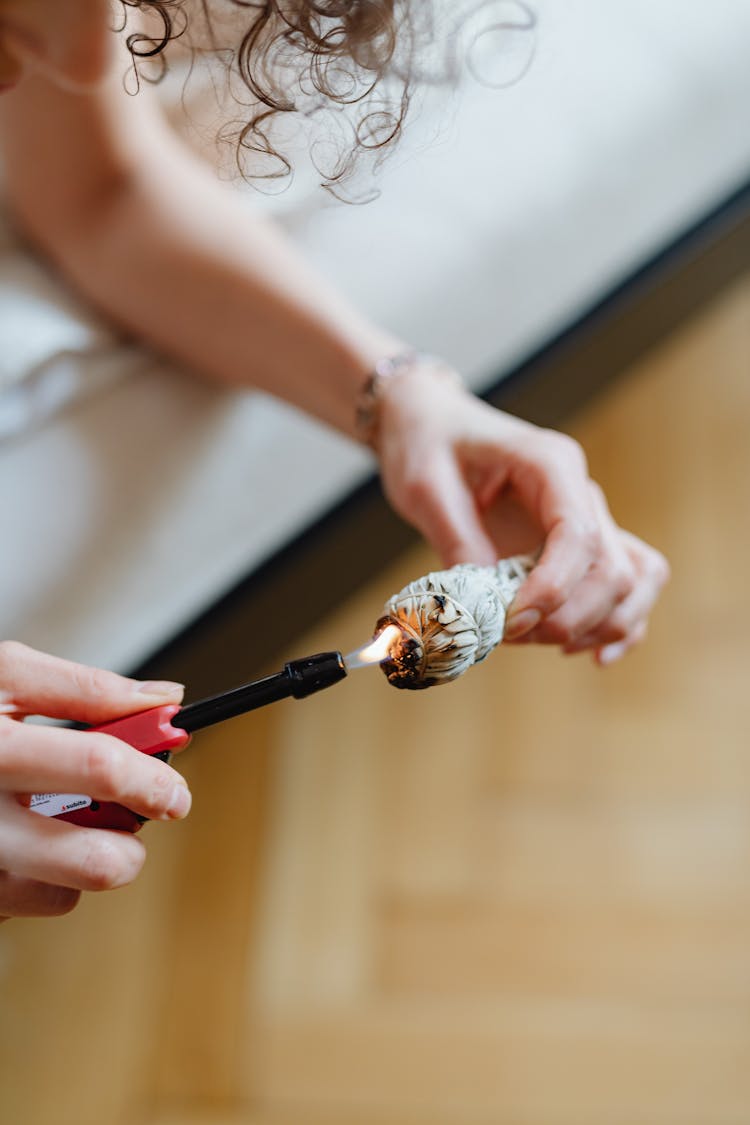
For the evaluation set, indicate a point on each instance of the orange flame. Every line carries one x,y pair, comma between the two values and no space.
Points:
379,649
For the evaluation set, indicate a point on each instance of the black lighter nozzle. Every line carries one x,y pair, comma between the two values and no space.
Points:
299,679
313,673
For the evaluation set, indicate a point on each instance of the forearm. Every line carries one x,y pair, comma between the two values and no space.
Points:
182,262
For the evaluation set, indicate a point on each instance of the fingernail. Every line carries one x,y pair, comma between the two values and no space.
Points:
520,623
610,653
164,689
180,801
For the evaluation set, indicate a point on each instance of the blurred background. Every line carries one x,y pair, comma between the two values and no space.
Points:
522,898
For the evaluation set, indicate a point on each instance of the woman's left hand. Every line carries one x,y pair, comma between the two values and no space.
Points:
480,485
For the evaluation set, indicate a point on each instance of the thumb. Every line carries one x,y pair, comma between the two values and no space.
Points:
35,683
444,509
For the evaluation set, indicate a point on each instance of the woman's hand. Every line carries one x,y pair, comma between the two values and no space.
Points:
480,484
46,863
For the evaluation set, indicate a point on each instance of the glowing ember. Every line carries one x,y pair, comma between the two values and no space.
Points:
378,650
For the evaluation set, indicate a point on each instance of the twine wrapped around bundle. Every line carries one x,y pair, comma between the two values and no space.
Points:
449,620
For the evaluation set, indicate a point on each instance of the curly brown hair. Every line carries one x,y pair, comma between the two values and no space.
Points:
302,56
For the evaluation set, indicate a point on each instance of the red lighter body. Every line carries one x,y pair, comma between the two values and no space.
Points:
152,733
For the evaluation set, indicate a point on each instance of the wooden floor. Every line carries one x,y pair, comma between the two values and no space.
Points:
521,900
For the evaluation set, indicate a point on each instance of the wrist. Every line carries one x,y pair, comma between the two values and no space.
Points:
406,372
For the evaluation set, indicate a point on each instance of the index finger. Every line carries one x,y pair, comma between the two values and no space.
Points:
560,498
36,683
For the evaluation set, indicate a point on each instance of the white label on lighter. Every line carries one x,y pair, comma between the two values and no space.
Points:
53,804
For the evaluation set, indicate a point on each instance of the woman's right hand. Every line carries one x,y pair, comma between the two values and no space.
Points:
45,863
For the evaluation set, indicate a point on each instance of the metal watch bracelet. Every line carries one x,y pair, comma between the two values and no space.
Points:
367,416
